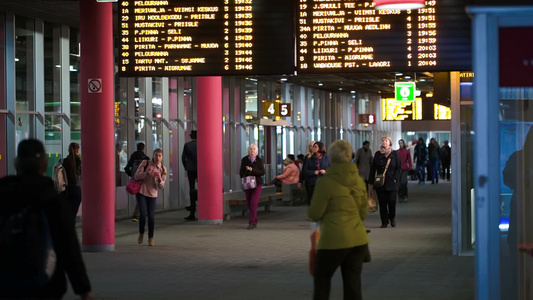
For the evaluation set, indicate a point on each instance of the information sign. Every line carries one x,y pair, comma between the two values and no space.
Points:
405,91
392,110
206,37
276,109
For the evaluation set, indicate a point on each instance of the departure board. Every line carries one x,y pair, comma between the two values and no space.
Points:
206,37
393,110
340,36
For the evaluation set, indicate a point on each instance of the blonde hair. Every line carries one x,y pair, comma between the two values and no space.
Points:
340,152
162,165
309,151
387,138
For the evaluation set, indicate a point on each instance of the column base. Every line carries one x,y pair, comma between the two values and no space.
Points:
210,222
98,248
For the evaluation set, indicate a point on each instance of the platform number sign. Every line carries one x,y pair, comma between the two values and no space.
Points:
276,109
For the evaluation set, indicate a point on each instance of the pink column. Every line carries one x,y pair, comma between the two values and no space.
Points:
97,136
209,125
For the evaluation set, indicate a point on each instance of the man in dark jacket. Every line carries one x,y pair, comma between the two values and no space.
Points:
30,190
420,160
133,164
445,160
190,163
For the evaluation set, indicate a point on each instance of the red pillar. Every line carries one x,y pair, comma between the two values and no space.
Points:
97,135
210,172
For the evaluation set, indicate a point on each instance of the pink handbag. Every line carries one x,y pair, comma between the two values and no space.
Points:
248,183
133,186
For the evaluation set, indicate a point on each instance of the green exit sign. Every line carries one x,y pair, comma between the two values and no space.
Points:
405,91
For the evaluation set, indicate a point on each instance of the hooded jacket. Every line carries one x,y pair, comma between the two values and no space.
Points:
340,205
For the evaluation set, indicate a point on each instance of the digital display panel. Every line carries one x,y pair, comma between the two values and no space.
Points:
393,110
339,36
206,37
442,112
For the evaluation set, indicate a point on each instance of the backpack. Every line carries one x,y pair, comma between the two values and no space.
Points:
135,165
59,176
27,256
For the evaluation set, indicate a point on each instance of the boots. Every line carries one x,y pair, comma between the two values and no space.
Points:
141,238
190,217
151,242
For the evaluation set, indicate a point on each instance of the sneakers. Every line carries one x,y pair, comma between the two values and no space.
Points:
135,219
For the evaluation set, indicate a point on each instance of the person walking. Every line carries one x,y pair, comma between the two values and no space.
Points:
411,147
314,168
189,158
420,160
131,167
252,165
308,155
72,164
445,160
387,161
153,175
31,189
405,158
433,151
340,205
363,160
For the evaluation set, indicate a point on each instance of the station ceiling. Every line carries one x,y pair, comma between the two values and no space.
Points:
67,12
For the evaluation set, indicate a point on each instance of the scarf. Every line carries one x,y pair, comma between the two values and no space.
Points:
385,152
252,159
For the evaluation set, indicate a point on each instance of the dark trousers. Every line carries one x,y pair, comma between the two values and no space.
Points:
147,209
387,205
351,262
74,201
252,200
402,193
309,189
192,176
434,169
446,171
421,171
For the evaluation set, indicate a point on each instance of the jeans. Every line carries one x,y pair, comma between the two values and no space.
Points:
146,208
252,200
421,171
434,167
351,262
309,189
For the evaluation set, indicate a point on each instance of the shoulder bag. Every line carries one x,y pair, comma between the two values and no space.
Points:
379,180
248,182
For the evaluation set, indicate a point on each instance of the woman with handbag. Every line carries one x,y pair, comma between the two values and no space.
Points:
251,171
340,205
314,168
153,178
385,178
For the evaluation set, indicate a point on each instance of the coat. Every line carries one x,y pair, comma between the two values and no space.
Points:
291,174
340,204
17,192
310,166
189,157
392,177
363,160
150,184
258,169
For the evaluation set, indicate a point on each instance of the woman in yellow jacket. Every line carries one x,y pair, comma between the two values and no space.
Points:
340,205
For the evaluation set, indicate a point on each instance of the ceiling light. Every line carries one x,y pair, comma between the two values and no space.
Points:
407,77
340,89
422,80
353,92
320,84
399,4
398,74
283,79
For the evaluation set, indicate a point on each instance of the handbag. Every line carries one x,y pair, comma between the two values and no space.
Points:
133,186
248,182
372,197
379,179
315,235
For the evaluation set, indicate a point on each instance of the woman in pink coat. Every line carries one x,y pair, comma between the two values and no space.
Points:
291,173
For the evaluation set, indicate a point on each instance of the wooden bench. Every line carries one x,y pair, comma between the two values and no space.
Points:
236,201
292,194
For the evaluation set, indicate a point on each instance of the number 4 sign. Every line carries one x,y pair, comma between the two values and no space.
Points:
276,109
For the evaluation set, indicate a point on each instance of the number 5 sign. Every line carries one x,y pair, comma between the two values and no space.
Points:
276,109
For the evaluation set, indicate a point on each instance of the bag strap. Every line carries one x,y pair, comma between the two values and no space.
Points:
386,167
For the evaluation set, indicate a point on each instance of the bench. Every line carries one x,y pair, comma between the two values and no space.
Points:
236,201
292,194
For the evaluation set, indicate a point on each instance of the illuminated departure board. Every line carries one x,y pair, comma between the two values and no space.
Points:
393,110
206,37
352,36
